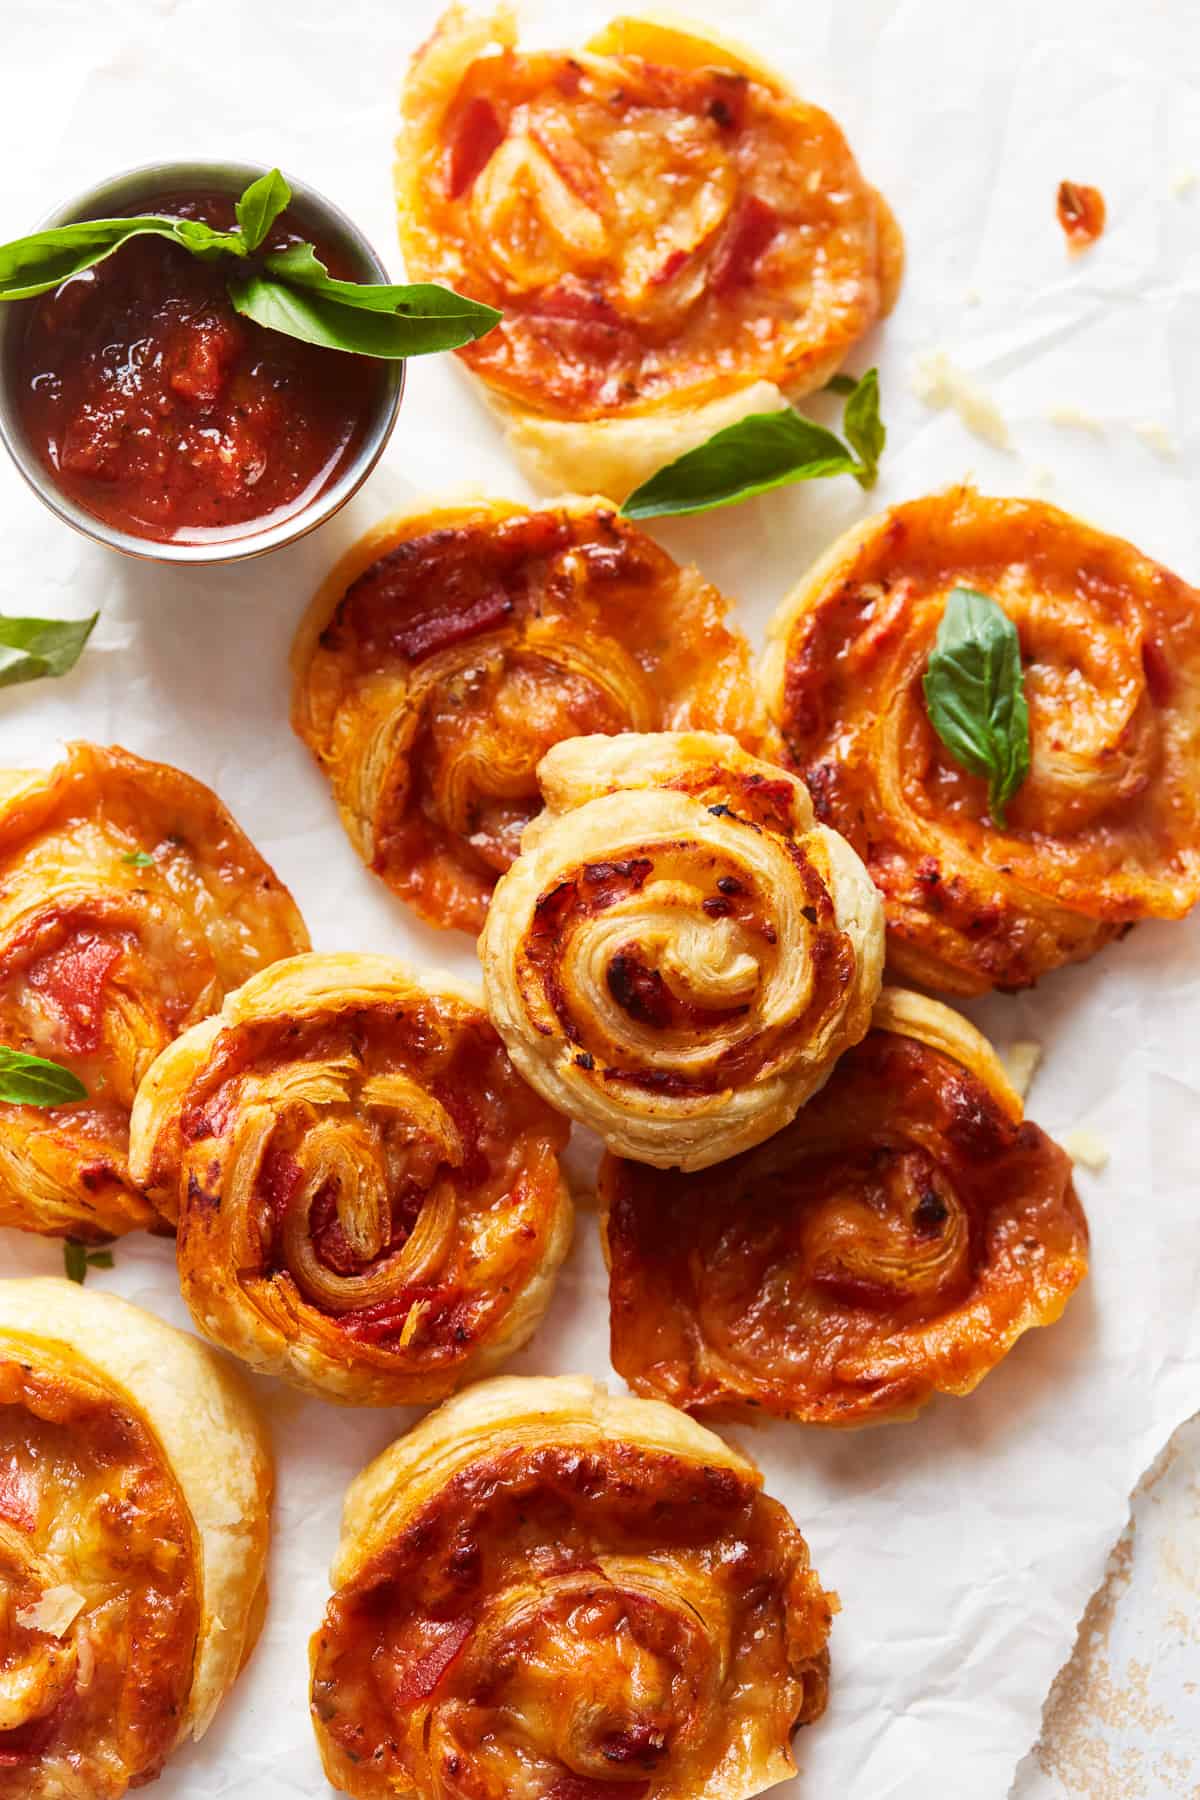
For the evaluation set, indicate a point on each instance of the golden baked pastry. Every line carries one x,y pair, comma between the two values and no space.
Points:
1106,828
892,1243
679,955
368,1194
453,646
553,1591
135,1489
130,903
674,238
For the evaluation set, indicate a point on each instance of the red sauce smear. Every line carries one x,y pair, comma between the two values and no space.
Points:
161,411
73,979
1081,213
18,1497
24,1742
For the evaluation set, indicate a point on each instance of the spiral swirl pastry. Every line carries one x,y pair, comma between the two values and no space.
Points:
892,1243
135,1486
673,237
549,1591
130,903
1106,828
369,1196
680,954
452,648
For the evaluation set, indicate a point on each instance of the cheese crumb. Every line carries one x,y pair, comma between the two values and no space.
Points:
1156,436
972,297
54,1613
941,384
1020,1063
1085,1147
1182,182
1075,419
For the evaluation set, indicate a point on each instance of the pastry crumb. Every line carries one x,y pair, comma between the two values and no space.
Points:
941,384
1182,182
1156,436
1083,1146
1075,419
1020,1061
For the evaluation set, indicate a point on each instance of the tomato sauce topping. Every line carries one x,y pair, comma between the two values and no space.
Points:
1081,213
163,412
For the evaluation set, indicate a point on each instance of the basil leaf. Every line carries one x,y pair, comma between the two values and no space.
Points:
865,431
300,264
35,265
78,1259
202,241
32,1081
31,648
260,206
763,451
138,859
840,384
337,315
975,694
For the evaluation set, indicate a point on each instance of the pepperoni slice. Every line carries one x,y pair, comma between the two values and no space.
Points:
72,979
476,141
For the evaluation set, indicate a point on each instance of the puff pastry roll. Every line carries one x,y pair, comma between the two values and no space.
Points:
1104,831
135,1489
680,954
674,238
130,903
369,1196
550,1591
452,647
892,1243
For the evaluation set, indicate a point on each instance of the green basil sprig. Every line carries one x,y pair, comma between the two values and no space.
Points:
78,1259
975,694
31,648
768,450
32,1081
289,290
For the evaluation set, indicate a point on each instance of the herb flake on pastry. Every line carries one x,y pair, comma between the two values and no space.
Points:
680,954
1105,828
368,1195
130,904
673,237
551,1591
892,1243
135,1487
455,645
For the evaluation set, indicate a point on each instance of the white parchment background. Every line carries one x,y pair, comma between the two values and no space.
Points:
964,1546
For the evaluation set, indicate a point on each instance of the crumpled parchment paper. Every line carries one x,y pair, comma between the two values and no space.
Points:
963,1546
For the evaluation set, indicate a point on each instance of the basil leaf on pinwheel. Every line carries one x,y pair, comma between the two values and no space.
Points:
975,694
32,1081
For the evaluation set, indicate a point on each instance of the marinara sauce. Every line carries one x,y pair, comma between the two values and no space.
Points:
162,411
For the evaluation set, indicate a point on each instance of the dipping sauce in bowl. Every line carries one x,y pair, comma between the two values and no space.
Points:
163,412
